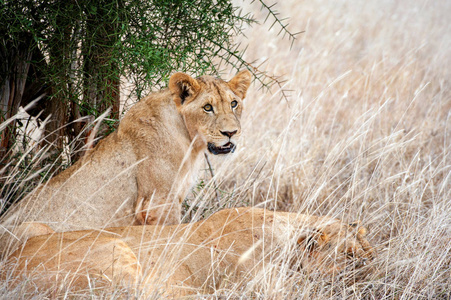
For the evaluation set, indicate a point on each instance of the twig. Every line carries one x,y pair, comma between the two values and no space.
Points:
258,74
283,26
273,78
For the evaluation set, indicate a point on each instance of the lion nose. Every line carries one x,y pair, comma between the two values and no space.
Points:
229,133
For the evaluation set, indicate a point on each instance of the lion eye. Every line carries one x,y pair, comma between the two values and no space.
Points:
208,108
234,104
350,254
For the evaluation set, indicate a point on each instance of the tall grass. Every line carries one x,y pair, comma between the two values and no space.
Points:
364,136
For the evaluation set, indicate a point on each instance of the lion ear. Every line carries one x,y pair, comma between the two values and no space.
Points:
183,87
312,239
240,83
361,230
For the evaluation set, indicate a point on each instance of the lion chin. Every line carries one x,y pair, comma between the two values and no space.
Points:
224,149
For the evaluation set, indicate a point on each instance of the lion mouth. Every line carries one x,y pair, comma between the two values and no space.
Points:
224,149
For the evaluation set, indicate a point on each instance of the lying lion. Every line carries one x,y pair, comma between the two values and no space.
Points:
141,172
231,246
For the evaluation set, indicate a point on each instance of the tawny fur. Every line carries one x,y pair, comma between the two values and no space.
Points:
231,246
140,173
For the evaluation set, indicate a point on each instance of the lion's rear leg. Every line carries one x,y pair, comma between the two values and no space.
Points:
76,263
10,240
27,230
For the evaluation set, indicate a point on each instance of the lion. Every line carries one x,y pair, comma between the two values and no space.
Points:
140,173
231,246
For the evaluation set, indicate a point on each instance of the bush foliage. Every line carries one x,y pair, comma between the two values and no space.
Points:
66,62
75,54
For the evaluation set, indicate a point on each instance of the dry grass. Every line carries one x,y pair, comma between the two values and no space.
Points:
365,136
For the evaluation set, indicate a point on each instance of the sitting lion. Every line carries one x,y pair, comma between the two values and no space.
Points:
141,172
232,245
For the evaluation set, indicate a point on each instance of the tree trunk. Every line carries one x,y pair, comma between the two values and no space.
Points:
60,51
15,64
100,74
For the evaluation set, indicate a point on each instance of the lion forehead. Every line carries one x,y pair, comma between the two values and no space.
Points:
216,90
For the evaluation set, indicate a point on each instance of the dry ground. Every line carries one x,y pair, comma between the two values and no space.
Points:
364,136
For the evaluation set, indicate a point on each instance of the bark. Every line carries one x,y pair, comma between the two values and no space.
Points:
60,52
14,68
100,74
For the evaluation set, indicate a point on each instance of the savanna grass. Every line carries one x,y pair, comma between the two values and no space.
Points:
364,136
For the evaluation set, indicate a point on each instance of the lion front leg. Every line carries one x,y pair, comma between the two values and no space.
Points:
157,210
160,189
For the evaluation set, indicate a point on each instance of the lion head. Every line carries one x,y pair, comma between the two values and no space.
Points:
334,248
211,108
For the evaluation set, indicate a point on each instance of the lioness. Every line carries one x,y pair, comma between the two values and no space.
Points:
141,172
231,246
